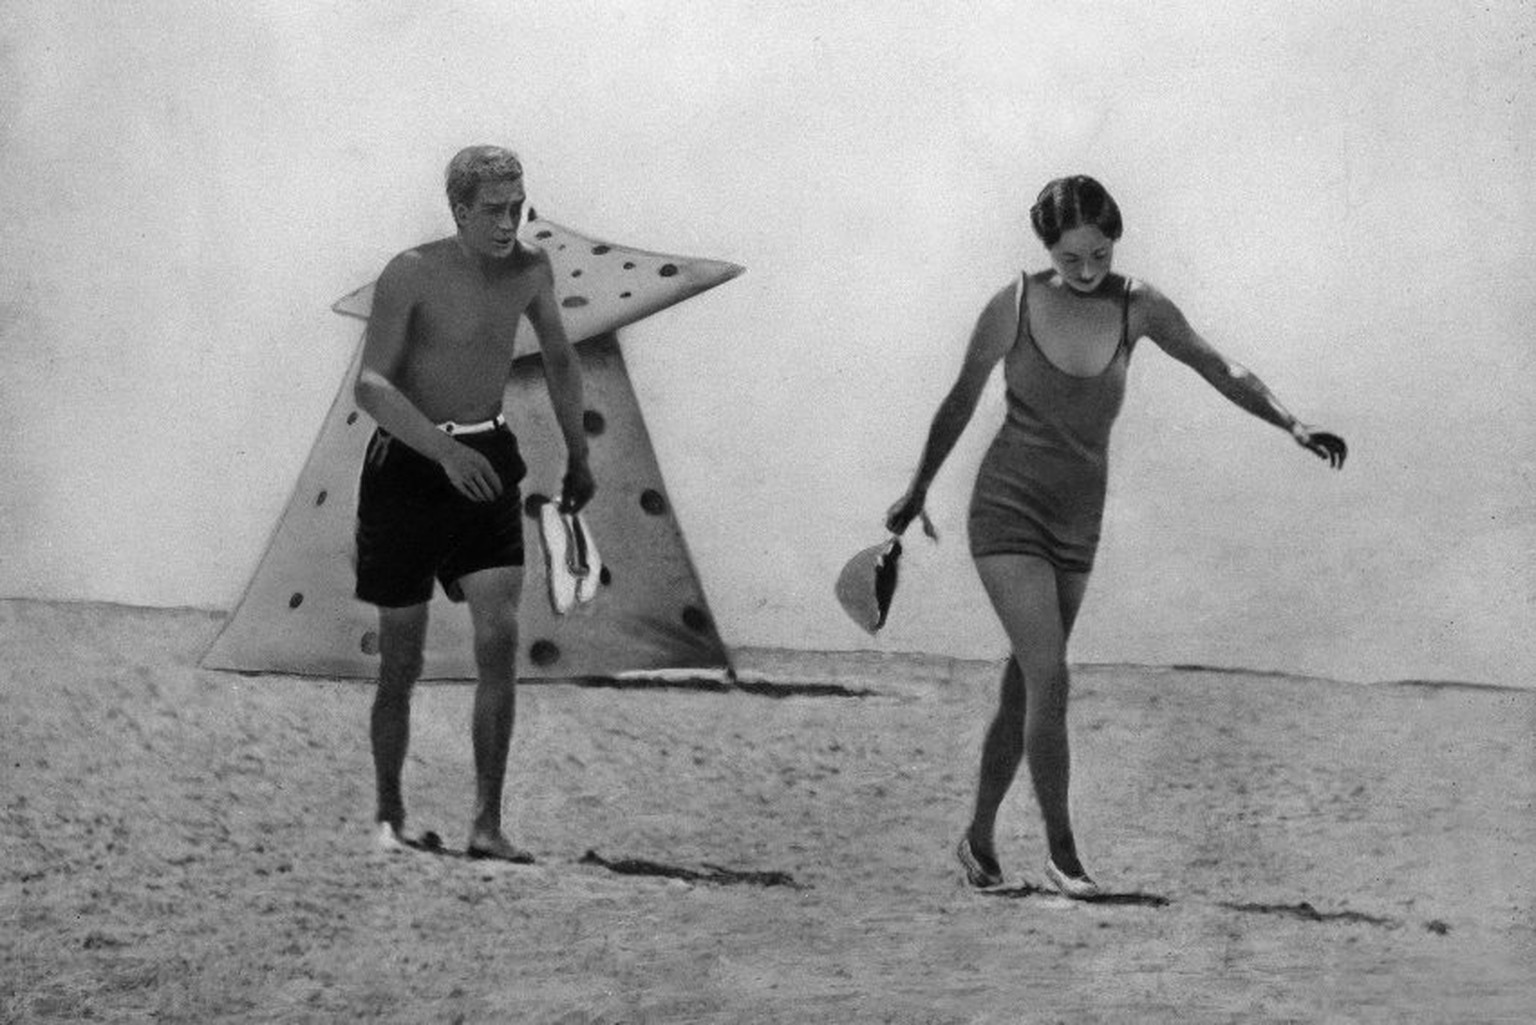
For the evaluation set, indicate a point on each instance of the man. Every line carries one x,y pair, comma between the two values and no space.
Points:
438,496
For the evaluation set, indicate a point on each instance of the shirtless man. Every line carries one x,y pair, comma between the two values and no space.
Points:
438,497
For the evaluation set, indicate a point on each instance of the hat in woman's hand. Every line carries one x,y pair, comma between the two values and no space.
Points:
867,584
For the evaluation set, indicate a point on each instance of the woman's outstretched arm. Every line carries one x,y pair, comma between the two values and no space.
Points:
1166,325
994,333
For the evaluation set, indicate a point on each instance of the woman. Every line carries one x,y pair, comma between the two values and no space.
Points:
1064,336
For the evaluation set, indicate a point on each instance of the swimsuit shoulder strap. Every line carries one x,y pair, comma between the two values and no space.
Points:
1125,316
1023,305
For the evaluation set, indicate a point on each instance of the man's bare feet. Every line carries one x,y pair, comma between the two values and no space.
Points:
494,846
388,839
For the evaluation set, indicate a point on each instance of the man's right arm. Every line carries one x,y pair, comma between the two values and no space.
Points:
384,350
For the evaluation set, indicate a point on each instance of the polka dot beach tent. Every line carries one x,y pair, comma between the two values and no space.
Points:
298,615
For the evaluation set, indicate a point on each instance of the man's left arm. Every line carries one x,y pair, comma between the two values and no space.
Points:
562,374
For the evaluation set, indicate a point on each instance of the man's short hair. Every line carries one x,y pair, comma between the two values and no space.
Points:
474,165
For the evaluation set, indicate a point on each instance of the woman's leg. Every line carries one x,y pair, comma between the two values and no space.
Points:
1070,588
1001,752
1003,748
1037,608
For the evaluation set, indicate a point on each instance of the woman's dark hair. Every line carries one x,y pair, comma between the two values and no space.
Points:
1068,203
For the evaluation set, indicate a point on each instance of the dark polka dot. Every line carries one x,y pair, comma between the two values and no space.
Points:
696,619
576,273
352,417
605,576
544,234
321,497
296,600
533,503
668,270
572,302
544,653
652,502
600,250
370,643
625,295
629,265
594,422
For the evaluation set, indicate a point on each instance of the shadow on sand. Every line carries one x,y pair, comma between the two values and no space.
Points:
710,873
1022,890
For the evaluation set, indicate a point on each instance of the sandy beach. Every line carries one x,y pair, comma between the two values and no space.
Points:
183,845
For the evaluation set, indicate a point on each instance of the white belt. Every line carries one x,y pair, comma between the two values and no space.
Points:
449,427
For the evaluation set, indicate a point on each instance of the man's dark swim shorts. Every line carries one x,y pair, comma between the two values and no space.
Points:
413,526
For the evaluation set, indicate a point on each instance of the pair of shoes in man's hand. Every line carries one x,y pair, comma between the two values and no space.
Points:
572,566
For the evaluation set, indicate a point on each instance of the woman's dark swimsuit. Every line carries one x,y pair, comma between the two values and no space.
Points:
1040,490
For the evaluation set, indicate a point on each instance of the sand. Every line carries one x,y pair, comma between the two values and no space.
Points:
182,845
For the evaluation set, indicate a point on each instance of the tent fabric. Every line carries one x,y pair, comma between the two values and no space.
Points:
298,615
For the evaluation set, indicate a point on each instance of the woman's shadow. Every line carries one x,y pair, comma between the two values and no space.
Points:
1021,890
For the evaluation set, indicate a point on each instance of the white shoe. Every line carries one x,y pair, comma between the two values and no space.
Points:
586,582
554,533
981,877
1077,887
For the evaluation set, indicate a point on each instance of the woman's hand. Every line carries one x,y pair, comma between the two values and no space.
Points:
908,508
1321,444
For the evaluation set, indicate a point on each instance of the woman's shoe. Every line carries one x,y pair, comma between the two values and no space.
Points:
1077,887
980,876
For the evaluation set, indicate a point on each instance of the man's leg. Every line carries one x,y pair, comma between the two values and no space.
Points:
402,632
493,596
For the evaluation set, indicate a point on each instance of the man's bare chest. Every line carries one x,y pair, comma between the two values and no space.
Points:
469,317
